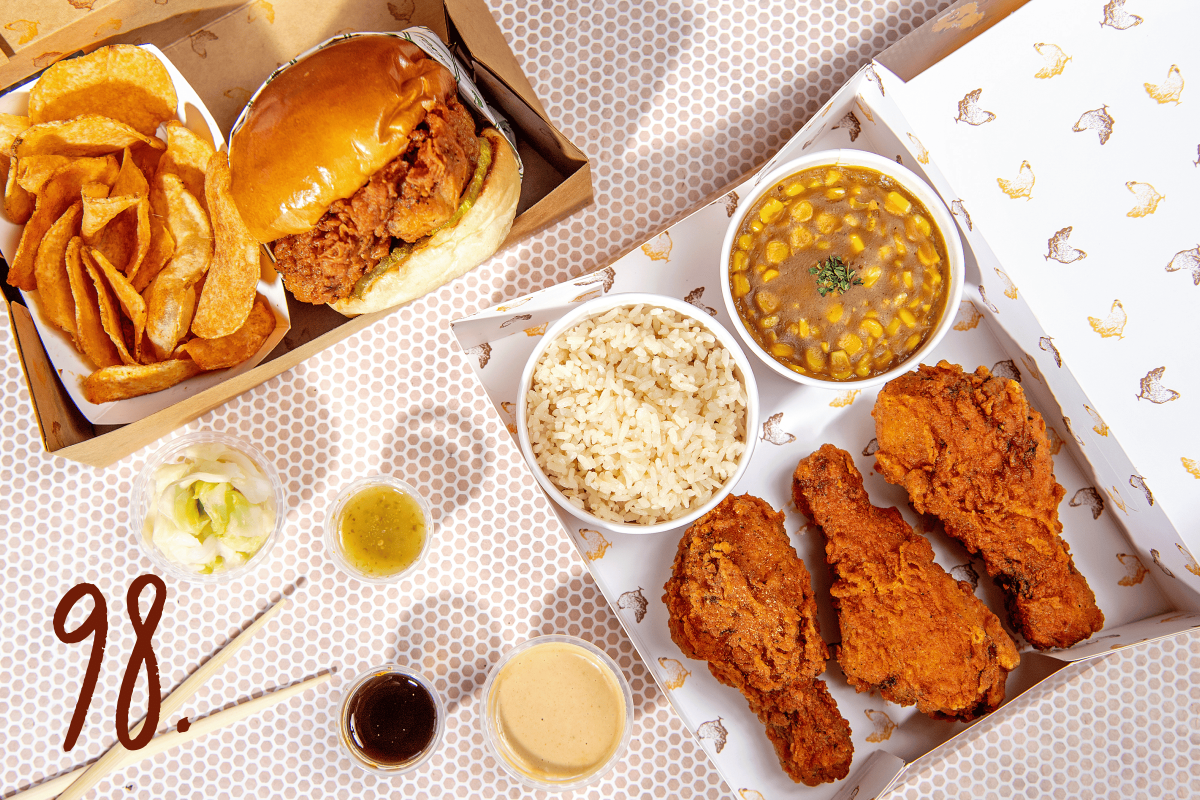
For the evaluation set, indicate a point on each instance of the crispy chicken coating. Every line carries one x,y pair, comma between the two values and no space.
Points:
971,451
909,630
741,599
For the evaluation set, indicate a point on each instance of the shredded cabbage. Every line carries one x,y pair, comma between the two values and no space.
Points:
212,509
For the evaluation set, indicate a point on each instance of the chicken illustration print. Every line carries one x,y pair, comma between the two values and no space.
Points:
1154,391
1170,90
970,112
1115,16
1022,185
1113,324
1147,199
1056,60
1187,260
1059,250
1098,120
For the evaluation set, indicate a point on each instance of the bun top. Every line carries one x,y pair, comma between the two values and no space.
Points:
322,127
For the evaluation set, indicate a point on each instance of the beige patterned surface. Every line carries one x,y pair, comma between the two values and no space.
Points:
671,101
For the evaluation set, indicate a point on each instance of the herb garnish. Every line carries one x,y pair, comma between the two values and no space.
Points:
834,276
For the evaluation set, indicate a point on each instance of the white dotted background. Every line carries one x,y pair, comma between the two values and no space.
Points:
671,101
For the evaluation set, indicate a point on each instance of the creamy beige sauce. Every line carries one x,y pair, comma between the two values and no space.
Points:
559,710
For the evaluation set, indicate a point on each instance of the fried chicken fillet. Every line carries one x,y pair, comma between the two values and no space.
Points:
909,630
741,599
971,451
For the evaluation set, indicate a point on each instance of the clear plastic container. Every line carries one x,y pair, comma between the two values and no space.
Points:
346,735
333,535
143,490
494,736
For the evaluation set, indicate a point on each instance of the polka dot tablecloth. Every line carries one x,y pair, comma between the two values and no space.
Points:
671,101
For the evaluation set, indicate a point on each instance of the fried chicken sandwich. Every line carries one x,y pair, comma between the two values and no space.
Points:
372,180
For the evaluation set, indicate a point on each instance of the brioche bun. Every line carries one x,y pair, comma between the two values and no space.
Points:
321,128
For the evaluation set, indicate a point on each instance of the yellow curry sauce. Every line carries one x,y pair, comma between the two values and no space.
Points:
382,530
865,242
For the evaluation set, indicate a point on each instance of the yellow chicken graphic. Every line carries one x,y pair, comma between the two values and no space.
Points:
1098,120
1148,198
1113,324
919,149
970,112
1115,16
1169,90
1022,185
1056,60
674,673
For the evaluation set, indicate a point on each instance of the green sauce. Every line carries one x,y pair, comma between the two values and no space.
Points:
382,531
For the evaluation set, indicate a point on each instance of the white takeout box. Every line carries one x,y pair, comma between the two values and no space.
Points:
71,365
1138,563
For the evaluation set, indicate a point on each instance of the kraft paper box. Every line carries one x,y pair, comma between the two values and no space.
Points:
225,52
1137,559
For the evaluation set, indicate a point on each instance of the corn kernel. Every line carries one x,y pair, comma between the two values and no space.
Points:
871,327
777,251
770,275
927,255
892,326
856,243
916,301
872,314
901,249
850,343
815,182
741,286
770,211
802,328
769,322
739,261
852,220
839,361
793,189
897,204
935,277
863,369
802,211
756,225
885,252
912,342
824,347
858,189
856,204
907,277
793,329
926,307
781,350
745,241
923,225
871,220
766,302
907,317
826,223
796,368
835,193
815,331
873,205
814,358
910,229
884,360
834,312
824,245
901,298
801,238
832,177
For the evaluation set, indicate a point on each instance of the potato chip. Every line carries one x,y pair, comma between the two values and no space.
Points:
231,350
123,382
18,203
50,268
146,158
34,171
59,193
95,190
122,81
11,126
162,248
187,156
170,305
229,293
130,179
99,211
191,230
90,135
110,320
131,302
142,232
90,337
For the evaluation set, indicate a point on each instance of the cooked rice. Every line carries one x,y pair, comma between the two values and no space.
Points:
637,415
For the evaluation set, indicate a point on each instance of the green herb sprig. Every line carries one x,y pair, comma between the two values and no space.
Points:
834,276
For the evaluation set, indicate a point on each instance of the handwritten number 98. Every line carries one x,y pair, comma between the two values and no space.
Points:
96,625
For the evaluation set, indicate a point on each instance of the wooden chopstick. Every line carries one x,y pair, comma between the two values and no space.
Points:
108,762
166,741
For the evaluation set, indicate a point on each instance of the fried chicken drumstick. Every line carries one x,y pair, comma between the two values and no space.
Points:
740,598
909,630
971,451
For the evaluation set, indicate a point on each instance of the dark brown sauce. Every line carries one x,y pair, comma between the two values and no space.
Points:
391,719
